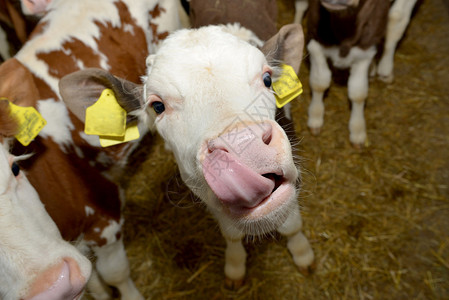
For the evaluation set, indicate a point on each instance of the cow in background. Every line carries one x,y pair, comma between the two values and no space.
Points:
77,179
35,262
348,33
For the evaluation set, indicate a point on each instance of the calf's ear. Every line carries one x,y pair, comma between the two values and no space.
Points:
81,89
286,46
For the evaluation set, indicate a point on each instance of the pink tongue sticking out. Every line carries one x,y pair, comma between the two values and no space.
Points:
236,185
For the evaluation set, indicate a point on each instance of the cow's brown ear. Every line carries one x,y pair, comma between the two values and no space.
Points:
286,46
8,124
17,83
81,89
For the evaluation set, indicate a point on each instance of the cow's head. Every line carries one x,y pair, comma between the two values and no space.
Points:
35,262
210,95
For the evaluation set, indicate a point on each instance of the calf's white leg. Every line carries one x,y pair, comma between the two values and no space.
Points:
398,19
297,244
113,266
320,79
300,9
235,260
97,289
357,92
235,254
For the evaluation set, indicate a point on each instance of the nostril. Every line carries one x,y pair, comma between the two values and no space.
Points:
267,138
268,133
213,145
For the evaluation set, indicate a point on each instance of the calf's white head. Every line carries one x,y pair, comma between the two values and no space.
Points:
210,95
35,262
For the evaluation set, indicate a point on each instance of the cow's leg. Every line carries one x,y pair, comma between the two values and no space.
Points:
113,267
97,289
298,245
357,92
398,19
235,255
320,79
300,9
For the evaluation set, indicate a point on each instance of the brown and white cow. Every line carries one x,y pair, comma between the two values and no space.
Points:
75,177
348,33
210,95
35,262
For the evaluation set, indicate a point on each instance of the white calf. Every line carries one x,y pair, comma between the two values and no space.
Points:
35,262
210,95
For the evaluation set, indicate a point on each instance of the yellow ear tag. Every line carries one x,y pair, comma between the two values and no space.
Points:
287,87
107,119
30,123
106,116
131,133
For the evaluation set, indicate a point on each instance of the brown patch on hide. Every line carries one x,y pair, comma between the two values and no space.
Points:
258,16
67,184
39,29
157,36
126,50
65,61
157,11
93,234
16,83
362,26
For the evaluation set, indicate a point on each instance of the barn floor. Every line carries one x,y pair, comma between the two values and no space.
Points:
378,219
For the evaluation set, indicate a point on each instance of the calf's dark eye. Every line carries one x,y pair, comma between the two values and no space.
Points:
267,79
15,169
158,107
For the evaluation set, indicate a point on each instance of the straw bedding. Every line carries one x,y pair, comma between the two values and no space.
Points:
377,218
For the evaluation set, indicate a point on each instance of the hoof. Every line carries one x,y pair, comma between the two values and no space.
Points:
315,131
387,78
232,284
357,146
361,145
309,270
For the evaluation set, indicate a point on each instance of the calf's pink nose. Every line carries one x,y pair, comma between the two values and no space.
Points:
243,139
62,281
229,167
